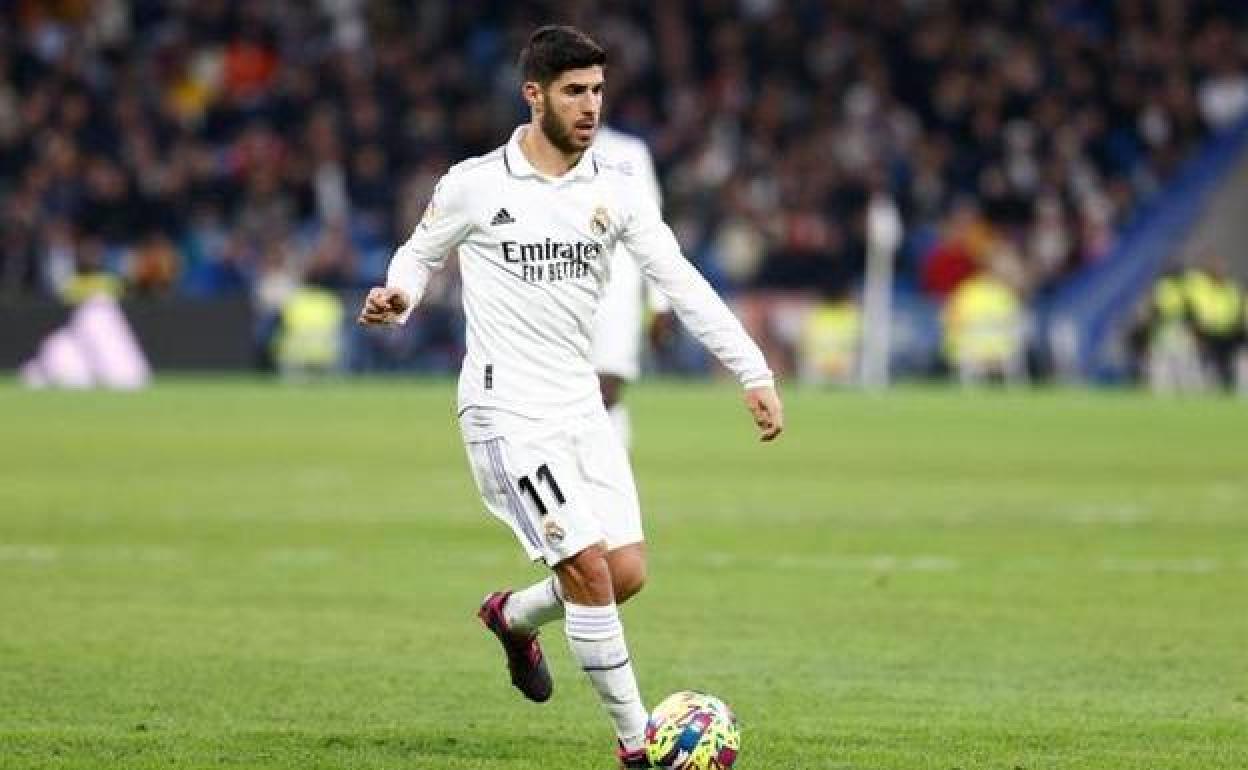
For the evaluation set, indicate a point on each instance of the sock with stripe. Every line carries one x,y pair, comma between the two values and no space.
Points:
531,608
596,637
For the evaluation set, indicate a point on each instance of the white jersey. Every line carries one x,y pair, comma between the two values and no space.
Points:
617,328
533,253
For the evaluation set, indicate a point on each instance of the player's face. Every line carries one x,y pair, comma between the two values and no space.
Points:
571,107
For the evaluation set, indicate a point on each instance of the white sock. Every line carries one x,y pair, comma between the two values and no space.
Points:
597,641
623,425
531,608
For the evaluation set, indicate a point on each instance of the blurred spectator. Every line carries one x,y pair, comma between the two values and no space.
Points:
1223,89
984,331
89,277
1216,304
154,264
831,343
1194,331
1167,341
963,246
308,338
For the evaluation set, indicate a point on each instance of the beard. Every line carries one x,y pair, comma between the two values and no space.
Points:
560,135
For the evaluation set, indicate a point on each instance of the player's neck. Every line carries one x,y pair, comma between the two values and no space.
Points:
546,158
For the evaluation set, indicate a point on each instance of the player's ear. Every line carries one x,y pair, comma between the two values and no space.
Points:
533,94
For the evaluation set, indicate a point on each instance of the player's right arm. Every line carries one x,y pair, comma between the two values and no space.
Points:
443,226
767,410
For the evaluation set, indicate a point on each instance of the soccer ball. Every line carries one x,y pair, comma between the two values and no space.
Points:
692,731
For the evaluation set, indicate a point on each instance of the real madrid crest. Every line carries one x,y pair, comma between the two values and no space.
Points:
554,532
599,222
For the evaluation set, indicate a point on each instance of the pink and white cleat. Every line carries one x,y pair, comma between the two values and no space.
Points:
525,660
634,758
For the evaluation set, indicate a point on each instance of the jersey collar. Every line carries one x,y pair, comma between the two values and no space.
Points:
519,166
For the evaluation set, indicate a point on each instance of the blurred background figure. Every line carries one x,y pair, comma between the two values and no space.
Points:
1216,305
1194,330
984,331
829,353
627,298
1173,360
308,339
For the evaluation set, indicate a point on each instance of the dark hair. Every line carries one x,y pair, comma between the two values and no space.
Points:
555,49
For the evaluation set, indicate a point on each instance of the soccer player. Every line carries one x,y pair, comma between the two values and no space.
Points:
534,222
616,341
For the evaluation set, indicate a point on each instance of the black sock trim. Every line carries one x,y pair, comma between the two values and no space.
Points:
621,664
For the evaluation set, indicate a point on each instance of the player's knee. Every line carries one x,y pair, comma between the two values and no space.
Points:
628,571
586,578
628,584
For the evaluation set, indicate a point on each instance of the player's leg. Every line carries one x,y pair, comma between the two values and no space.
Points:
1223,355
608,479
524,611
525,661
545,485
596,638
528,609
628,570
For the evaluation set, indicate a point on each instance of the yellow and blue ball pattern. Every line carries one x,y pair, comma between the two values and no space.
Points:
692,731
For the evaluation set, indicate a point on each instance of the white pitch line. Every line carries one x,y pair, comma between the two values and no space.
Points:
1191,566
29,553
872,563
49,553
1119,513
299,556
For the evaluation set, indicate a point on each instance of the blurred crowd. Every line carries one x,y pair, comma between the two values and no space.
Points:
203,147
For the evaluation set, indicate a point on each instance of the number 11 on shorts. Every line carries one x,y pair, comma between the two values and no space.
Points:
543,474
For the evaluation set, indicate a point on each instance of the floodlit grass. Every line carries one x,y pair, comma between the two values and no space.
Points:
238,574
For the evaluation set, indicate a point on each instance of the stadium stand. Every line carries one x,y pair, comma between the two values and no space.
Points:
217,148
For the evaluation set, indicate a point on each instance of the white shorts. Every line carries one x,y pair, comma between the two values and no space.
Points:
561,484
617,324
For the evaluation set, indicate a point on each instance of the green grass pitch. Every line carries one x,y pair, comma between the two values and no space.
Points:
237,574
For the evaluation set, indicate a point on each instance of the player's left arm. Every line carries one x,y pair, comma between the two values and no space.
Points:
653,244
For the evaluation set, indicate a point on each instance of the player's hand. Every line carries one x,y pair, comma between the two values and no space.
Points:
383,306
764,404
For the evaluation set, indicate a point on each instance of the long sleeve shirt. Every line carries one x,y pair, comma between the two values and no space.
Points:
534,254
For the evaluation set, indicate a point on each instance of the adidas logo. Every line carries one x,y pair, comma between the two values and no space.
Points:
503,218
